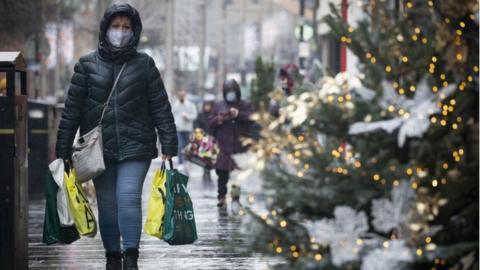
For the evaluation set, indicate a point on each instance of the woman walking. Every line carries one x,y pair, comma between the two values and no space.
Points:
229,120
137,110
185,114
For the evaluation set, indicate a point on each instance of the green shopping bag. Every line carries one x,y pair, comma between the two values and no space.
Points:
52,231
179,221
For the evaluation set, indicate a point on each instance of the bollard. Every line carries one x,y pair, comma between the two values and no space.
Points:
13,163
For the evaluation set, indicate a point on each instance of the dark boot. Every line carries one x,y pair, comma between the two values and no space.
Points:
130,258
114,260
221,202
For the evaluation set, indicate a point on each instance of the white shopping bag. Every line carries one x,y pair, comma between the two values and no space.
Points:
57,169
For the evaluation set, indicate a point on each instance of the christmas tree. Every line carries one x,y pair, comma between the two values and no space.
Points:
263,84
380,170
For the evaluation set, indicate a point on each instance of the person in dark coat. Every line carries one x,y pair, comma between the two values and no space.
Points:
138,110
229,120
202,118
202,123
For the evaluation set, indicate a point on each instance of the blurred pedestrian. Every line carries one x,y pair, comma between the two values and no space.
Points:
202,123
202,119
185,114
288,74
137,110
229,120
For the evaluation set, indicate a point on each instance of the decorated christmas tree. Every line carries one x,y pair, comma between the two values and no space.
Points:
380,170
263,84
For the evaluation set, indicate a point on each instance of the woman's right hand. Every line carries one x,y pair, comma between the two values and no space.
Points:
67,165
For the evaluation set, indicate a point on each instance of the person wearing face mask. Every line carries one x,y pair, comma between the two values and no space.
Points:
229,121
137,112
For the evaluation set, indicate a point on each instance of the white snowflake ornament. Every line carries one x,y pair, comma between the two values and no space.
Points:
415,121
389,257
340,233
392,213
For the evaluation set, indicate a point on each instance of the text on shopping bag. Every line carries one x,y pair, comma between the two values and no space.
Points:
179,188
183,215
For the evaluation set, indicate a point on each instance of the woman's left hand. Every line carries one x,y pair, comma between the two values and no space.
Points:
166,157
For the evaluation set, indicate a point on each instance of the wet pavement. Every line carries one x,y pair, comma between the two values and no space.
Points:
216,227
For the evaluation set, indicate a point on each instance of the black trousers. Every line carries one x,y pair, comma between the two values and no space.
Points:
222,182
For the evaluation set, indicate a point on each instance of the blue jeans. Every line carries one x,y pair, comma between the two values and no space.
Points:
119,197
183,140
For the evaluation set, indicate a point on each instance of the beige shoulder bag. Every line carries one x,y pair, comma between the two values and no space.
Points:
87,156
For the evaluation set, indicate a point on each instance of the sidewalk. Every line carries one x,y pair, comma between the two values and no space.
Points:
215,228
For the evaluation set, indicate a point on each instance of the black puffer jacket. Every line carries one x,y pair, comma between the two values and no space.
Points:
138,105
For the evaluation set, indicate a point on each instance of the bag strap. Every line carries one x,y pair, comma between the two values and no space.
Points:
164,166
111,92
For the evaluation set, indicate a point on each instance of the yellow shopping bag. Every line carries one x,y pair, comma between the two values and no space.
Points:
156,204
79,206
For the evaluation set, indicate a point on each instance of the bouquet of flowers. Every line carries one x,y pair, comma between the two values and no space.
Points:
202,149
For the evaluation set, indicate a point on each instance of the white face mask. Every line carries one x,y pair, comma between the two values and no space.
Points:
119,38
231,96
